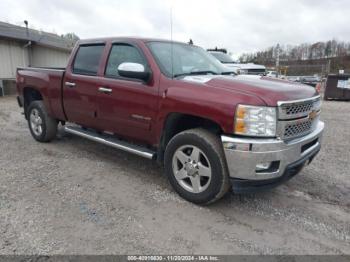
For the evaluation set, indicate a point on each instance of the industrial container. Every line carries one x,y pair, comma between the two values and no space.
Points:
337,87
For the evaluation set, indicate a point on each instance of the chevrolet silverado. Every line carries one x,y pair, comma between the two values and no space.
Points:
174,103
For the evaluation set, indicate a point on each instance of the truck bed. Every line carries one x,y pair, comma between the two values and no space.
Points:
48,81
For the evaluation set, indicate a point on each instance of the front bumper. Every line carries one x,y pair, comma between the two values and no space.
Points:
286,158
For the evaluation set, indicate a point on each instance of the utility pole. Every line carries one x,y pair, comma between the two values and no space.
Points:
28,45
27,30
278,59
329,66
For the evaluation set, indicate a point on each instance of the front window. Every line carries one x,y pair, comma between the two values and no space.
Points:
122,53
177,59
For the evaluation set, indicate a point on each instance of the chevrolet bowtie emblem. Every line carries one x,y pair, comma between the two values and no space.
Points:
312,115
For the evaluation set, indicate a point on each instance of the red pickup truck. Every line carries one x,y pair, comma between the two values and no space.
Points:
174,103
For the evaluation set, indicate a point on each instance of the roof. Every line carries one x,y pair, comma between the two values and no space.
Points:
39,37
125,38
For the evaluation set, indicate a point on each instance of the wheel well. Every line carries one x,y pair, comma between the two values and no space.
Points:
176,123
30,95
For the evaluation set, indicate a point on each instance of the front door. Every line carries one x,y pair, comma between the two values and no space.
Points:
128,107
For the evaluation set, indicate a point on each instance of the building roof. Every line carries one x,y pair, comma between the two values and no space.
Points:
39,37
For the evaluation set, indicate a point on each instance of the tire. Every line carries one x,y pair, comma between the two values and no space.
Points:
191,179
42,127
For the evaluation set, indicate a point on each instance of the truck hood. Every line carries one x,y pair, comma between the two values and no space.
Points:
270,90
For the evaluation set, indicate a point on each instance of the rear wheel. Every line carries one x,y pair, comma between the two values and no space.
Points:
195,166
42,127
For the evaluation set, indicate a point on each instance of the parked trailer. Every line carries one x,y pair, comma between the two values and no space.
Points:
337,87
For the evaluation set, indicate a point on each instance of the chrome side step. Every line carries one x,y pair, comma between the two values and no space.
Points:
111,141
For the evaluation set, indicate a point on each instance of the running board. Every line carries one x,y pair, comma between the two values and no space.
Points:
111,141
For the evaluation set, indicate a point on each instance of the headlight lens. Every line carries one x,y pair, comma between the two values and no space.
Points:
255,121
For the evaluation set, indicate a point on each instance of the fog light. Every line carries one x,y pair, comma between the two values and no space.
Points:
236,146
229,145
263,166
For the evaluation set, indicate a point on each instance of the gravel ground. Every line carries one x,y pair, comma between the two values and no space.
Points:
73,196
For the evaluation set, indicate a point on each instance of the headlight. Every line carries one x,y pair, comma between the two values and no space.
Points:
255,121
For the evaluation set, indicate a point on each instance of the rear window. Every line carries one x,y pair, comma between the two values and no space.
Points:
87,59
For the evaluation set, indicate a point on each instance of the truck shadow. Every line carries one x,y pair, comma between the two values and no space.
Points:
149,172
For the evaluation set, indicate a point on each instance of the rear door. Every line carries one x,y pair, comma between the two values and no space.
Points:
80,85
130,108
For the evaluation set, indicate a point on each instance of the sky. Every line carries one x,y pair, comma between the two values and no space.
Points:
238,25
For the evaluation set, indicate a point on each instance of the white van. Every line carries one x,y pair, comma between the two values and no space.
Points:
244,69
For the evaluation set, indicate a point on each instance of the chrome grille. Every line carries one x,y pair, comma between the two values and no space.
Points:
298,108
295,117
297,129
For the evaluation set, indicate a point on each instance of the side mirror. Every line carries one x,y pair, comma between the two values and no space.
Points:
134,70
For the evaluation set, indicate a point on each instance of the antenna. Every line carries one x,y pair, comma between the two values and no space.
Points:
171,42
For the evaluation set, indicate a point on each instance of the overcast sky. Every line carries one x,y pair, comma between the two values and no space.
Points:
239,25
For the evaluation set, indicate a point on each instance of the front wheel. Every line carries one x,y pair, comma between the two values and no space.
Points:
196,167
42,127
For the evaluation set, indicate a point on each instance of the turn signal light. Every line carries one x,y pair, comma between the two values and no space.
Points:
240,126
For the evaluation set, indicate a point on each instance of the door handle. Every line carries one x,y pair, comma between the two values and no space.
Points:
105,90
70,84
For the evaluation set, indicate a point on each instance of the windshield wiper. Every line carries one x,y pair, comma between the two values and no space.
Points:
197,73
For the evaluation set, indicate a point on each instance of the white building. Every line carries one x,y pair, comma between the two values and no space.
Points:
22,47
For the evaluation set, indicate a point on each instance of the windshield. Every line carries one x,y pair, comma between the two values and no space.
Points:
176,59
222,57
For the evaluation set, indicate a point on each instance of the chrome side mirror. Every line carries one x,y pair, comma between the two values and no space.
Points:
133,70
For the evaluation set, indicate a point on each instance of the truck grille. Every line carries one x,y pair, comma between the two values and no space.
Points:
298,118
297,109
297,129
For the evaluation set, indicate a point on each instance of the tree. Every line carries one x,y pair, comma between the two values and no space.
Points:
328,49
305,51
71,36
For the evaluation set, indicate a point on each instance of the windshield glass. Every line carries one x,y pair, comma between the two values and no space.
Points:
222,57
176,59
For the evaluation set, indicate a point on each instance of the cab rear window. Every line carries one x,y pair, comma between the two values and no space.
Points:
87,59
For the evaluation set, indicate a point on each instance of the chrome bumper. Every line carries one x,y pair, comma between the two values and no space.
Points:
244,154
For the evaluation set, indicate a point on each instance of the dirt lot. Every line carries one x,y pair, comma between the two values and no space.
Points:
74,196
